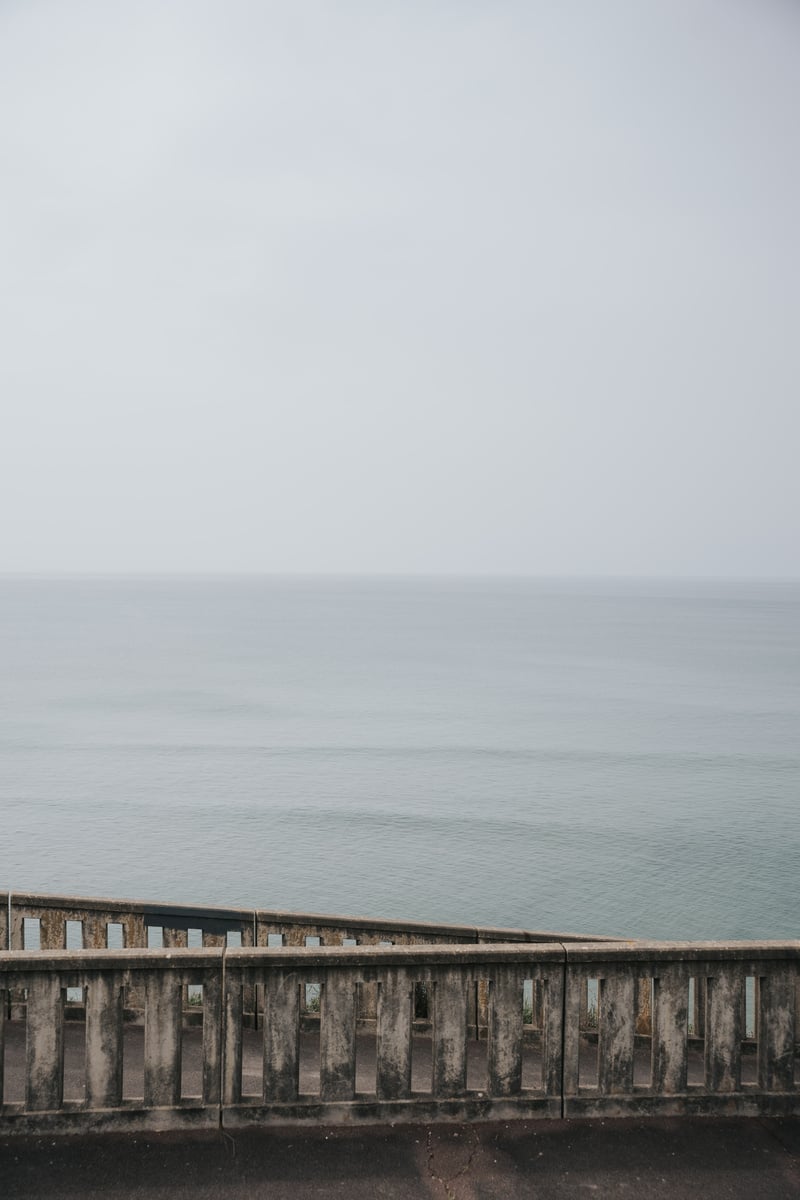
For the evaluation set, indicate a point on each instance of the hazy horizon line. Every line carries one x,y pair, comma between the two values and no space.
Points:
572,576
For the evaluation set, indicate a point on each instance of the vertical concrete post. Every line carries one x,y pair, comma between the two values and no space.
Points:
723,1059
104,1041
53,930
212,1034
504,1051
337,1047
44,1046
574,1007
174,938
232,1024
95,931
162,1040
776,1030
4,1000
17,929
451,992
281,1036
615,1035
552,993
393,1044
670,1050
134,933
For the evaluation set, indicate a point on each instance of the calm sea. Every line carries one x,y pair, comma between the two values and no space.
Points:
606,757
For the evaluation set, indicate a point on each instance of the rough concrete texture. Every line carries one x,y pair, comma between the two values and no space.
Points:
714,1158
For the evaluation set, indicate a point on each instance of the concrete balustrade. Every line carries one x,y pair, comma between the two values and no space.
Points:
258,1032
683,1065
103,978
51,919
384,1084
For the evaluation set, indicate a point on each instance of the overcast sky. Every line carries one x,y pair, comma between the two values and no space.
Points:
429,287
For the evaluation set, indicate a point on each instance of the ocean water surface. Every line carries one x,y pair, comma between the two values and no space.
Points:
596,756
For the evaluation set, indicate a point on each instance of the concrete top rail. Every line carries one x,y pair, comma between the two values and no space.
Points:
653,952
219,919
403,956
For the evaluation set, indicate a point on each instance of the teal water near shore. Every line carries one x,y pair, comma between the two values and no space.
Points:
614,757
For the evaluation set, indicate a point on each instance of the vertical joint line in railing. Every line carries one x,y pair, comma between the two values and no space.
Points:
563,1027
255,985
223,1009
8,929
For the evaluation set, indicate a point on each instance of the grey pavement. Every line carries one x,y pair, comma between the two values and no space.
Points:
743,1159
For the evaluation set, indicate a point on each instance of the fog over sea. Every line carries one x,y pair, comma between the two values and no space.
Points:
618,757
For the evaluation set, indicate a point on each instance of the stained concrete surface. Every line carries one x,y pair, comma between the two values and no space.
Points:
713,1158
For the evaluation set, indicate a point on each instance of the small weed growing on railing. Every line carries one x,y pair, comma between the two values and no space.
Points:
312,998
591,1017
527,1013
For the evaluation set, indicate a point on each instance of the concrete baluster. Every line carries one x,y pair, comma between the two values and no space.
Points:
52,930
214,941
17,929
134,932
776,1030
552,1005
174,938
574,1007
232,1081
4,1001
281,1036
95,931
505,1016
670,1050
337,1049
451,994
44,1045
162,1039
104,1041
212,1035
393,1045
616,1028
723,1058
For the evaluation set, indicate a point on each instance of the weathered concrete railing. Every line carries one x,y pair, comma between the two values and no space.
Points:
538,1056
30,920
33,921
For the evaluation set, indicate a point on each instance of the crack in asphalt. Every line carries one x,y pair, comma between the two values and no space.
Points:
445,1181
